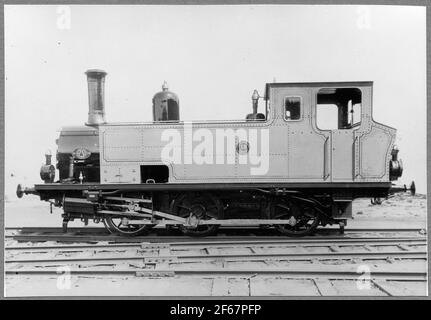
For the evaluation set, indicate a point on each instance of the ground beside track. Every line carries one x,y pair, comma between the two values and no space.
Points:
257,286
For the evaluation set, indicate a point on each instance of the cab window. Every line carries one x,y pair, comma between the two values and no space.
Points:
338,108
292,108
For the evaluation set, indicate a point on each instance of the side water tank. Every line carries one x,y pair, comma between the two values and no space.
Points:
166,105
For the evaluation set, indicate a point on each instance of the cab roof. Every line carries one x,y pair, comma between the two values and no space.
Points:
316,84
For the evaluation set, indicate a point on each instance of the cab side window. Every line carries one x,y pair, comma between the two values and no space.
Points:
338,108
292,108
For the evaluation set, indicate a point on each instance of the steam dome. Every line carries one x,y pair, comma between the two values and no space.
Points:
166,105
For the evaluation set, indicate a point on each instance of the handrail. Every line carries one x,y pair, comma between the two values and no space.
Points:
354,174
325,156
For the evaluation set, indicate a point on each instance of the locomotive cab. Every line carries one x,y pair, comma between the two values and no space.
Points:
331,133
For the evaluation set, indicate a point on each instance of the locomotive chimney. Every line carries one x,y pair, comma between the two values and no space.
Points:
96,96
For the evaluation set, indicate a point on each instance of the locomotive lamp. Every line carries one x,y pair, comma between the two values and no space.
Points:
96,96
47,171
396,165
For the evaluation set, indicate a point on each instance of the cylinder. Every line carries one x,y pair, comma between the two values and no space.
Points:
166,105
96,96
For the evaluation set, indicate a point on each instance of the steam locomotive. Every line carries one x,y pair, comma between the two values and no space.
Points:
297,164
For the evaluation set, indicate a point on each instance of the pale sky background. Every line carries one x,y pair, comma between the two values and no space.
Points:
213,57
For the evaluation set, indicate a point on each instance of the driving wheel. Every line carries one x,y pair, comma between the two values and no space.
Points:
119,226
303,218
197,207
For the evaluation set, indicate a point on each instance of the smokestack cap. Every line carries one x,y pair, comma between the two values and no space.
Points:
96,73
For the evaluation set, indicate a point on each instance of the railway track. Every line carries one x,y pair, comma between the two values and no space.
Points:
261,249
177,253
35,234
291,273
397,258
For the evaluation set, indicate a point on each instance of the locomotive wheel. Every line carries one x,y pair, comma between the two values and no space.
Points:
200,206
304,217
115,225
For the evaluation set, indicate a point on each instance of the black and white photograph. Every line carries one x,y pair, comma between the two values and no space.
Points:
215,151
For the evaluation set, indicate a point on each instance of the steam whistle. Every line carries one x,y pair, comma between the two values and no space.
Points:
255,103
